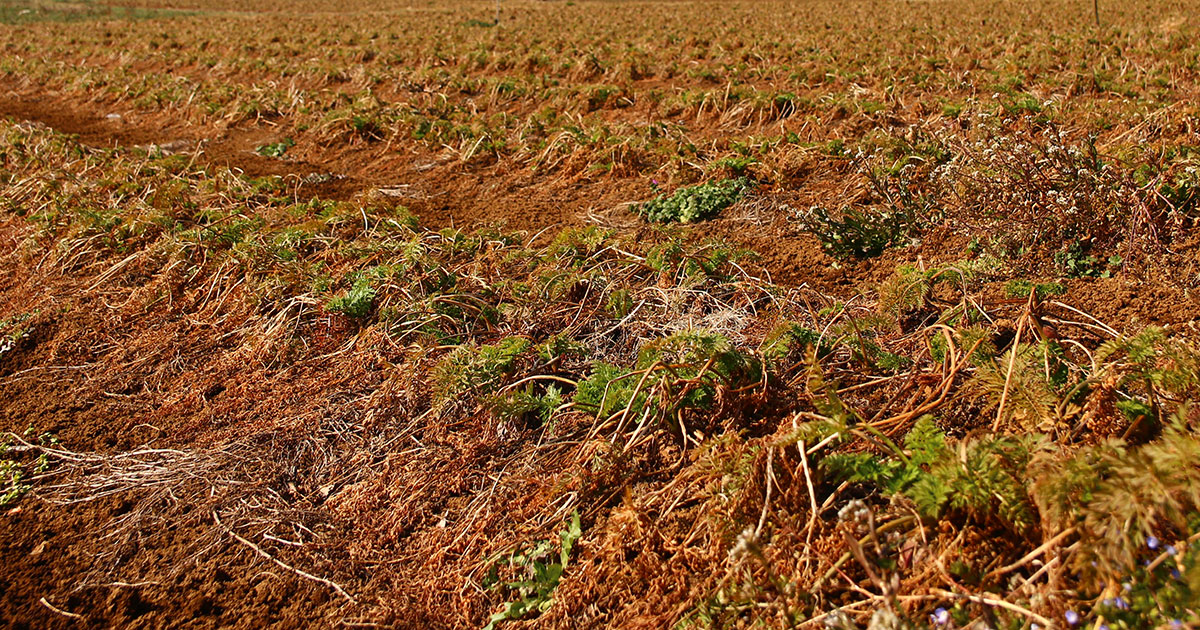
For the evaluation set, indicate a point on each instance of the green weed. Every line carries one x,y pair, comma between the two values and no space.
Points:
694,203
857,233
476,369
543,564
357,301
275,149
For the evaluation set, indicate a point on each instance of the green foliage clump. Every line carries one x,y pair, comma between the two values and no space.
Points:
924,445
1150,358
910,288
542,568
1031,379
357,301
1157,594
694,203
619,303
559,346
523,404
275,149
1077,261
286,244
16,472
707,358
712,260
792,340
981,478
858,233
692,365
977,340
478,369
1118,496
13,330
736,164
985,479
906,290
607,389
1182,191
577,244
1021,288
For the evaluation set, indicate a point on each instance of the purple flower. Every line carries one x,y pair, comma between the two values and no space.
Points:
1152,542
940,617
1175,574
1116,602
1072,617
1171,550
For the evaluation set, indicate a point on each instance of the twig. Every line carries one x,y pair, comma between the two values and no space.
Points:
268,556
998,603
59,610
762,519
1105,327
812,497
1032,554
1012,360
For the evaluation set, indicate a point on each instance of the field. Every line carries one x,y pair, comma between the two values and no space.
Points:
629,314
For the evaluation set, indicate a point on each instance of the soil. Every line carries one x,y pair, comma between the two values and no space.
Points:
104,382
184,578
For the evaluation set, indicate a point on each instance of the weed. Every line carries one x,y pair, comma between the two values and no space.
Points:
543,565
17,472
13,330
735,164
855,232
792,341
1076,262
1021,288
607,389
560,346
619,304
275,149
982,478
686,371
476,369
694,203
1159,593
1119,496
976,339
526,404
1032,379
357,301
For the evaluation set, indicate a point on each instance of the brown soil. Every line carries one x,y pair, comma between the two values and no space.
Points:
185,577
106,380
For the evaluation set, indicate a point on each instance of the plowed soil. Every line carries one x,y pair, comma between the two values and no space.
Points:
107,381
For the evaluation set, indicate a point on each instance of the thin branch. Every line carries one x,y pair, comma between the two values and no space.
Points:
268,556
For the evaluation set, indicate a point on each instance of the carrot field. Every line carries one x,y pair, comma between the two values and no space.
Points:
600,314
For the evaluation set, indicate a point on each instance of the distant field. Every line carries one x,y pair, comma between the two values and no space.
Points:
604,314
